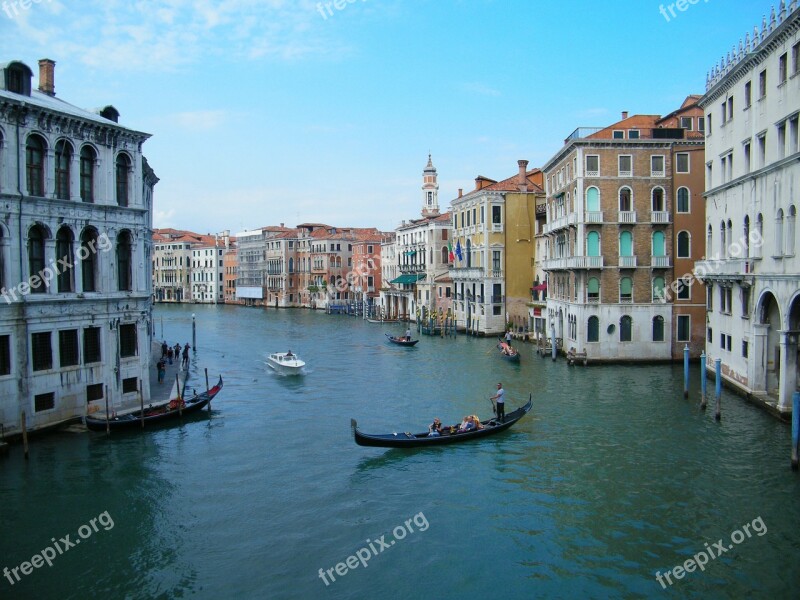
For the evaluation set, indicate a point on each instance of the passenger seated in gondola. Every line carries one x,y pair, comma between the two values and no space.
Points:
435,428
477,422
464,423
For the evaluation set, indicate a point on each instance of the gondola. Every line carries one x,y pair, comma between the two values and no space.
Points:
153,415
514,358
401,341
410,440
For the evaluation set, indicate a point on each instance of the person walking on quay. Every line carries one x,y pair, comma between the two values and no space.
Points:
169,354
163,349
186,355
177,350
501,403
162,370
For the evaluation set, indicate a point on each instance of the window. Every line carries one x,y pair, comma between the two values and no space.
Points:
593,290
657,166
626,243
682,162
708,120
124,250
745,303
130,385
592,166
123,167
790,234
746,149
684,245
625,200
63,161
658,290
658,328
5,354
686,123
724,110
701,124
88,258
91,345
88,157
659,245
748,95
633,134
593,330
618,134
127,340
710,297
683,200
625,329
65,262
658,199
496,215
592,199
779,233
730,108
710,335
744,348
793,135
43,402
34,165
42,352
593,244
796,59
783,68
94,392
626,290
684,328
684,289
762,84
68,348
495,260
36,237
625,166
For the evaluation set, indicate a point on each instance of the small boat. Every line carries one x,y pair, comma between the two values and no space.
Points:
401,341
411,440
512,357
287,363
154,414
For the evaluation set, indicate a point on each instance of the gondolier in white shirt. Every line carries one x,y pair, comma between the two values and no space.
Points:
408,334
501,403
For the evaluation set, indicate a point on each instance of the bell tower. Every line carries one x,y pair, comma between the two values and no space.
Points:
430,190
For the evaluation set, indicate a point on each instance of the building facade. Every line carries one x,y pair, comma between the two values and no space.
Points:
208,269
75,255
752,172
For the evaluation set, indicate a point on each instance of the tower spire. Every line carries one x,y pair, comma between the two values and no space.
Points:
430,190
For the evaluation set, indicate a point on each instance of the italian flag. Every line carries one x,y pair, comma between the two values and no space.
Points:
450,251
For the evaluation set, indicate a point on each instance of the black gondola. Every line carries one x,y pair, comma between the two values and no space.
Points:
509,357
401,341
410,440
153,415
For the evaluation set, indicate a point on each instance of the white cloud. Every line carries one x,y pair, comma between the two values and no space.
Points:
479,88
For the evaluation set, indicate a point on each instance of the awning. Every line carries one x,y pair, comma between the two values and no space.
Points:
408,278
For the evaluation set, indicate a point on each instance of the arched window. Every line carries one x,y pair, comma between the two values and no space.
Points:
709,239
291,265
124,256
593,244
626,290
123,168
36,238
34,165
592,199
790,224
658,328
625,329
684,245
469,253
779,233
683,200
88,257
593,290
746,236
658,290
658,199
626,243
729,237
659,244
593,330
625,199
63,162
759,241
444,255
64,260
88,158
723,246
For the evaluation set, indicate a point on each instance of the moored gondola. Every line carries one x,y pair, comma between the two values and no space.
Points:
401,341
411,440
154,414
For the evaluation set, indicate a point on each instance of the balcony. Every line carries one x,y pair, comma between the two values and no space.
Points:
659,262
627,216
561,222
732,269
627,262
659,217
496,274
594,216
467,273
497,299
573,262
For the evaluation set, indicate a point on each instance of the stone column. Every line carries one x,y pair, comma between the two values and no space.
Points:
787,374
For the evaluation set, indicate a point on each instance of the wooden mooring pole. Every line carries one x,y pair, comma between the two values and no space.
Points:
703,381
718,388
24,435
686,371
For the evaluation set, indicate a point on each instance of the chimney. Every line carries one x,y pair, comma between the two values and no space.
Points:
522,180
460,192
624,114
47,84
281,224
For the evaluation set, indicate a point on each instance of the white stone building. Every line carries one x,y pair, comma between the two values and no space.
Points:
752,269
207,270
75,255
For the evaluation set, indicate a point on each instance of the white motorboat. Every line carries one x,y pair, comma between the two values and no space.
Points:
287,363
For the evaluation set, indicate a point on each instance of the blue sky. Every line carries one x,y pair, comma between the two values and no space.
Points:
266,111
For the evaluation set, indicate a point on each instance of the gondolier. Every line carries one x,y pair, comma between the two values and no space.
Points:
501,403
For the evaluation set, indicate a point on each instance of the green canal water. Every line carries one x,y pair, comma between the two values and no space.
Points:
613,477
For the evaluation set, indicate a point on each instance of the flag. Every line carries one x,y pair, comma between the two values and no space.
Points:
458,250
451,256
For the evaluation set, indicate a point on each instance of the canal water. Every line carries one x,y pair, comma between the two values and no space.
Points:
613,478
